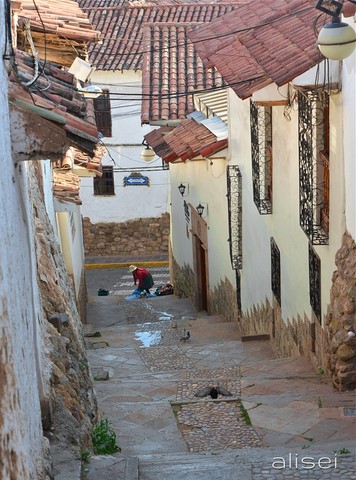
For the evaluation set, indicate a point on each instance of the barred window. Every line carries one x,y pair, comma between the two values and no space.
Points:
261,153
103,114
314,282
314,181
104,185
234,204
276,271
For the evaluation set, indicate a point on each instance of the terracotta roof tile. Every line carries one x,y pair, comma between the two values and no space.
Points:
121,27
66,27
187,141
280,49
55,92
66,186
171,68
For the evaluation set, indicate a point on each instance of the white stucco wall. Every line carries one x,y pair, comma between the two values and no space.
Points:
47,174
283,223
349,128
208,186
69,221
124,149
20,422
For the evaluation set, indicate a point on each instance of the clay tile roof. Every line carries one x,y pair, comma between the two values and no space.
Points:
53,95
171,69
66,186
278,50
121,27
187,141
59,28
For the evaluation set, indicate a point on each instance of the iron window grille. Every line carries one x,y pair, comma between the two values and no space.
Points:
238,289
234,199
102,111
186,211
314,179
104,185
314,282
276,270
261,153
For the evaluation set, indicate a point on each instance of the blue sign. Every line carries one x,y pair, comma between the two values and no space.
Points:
136,180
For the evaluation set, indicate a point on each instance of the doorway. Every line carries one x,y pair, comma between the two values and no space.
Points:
200,256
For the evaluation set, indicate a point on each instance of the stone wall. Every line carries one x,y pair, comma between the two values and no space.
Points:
222,301
182,279
70,408
341,319
331,347
143,236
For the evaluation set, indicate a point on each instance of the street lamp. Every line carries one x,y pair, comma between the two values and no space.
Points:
147,153
336,40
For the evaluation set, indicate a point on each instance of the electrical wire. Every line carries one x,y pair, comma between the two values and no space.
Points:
215,37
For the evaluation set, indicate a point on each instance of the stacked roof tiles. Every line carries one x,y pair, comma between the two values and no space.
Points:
260,44
122,27
56,30
54,90
59,29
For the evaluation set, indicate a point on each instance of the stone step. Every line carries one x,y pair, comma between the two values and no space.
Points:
244,464
110,467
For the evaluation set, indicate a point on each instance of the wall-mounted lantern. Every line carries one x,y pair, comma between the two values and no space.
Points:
200,209
183,189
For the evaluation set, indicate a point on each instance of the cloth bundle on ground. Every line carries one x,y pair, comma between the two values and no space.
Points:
102,292
165,290
139,294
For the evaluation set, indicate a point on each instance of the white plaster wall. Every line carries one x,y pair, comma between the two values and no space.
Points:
123,152
349,128
71,240
207,185
20,422
47,174
283,223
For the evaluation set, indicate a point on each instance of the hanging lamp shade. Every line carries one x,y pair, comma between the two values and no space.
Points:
336,40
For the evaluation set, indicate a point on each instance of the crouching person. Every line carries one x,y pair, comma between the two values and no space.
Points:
142,277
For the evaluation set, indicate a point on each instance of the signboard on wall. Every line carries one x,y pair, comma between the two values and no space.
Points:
135,179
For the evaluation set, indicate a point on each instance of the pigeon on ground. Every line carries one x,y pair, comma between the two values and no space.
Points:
213,392
185,337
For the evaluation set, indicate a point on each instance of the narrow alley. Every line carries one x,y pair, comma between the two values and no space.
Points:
280,412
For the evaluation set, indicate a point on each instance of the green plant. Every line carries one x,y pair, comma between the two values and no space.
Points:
320,403
305,446
321,371
104,439
244,413
85,456
342,451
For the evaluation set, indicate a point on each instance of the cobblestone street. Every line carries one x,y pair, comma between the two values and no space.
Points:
277,407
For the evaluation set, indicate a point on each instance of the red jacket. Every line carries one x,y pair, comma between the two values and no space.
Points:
139,274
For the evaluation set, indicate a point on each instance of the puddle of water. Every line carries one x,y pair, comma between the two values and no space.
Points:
109,358
149,339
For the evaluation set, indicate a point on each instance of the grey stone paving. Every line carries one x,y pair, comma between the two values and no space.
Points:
149,397
165,358
300,467
215,425
233,371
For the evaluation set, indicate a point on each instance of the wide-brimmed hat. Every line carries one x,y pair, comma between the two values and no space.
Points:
132,268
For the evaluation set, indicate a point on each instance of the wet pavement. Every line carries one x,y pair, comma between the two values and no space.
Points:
279,408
